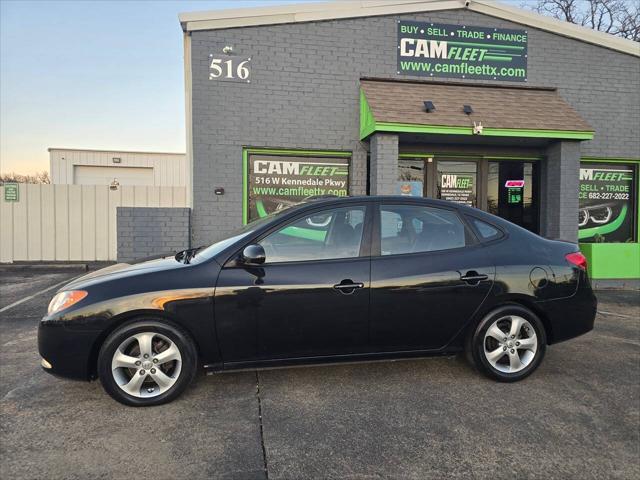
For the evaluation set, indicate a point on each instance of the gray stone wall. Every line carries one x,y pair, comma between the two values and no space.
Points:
146,232
559,180
304,93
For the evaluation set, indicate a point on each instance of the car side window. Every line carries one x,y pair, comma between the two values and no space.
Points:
486,231
415,229
327,234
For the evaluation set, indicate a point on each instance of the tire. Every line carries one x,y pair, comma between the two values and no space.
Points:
522,355
138,381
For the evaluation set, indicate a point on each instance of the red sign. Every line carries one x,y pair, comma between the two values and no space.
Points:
514,183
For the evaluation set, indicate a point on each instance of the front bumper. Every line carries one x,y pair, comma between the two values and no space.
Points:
67,352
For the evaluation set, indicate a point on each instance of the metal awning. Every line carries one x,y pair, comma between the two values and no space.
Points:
503,111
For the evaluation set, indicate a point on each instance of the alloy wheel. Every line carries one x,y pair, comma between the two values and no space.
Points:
146,364
510,344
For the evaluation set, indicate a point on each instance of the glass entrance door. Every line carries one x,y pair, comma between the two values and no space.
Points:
512,188
506,188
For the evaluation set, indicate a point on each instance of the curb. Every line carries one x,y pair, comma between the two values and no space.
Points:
44,266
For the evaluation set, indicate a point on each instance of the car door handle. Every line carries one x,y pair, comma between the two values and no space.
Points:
348,287
473,277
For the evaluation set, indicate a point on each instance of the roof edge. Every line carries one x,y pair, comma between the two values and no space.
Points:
335,10
97,150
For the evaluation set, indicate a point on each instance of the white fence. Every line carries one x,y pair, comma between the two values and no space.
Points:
72,222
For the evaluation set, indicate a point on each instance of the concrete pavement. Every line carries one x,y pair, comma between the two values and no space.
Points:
578,416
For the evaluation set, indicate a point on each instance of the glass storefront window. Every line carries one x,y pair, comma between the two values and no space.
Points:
608,203
457,182
411,176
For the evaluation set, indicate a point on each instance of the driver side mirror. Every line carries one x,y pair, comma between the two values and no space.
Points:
253,255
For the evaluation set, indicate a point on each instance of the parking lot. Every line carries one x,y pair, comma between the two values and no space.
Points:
576,417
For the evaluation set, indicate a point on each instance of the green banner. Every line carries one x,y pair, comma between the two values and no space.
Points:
276,182
461,51
607,203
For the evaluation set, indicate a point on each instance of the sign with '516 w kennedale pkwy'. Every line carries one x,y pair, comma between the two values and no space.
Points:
461,51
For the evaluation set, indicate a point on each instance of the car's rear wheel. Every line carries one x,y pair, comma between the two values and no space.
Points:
508,344
146,362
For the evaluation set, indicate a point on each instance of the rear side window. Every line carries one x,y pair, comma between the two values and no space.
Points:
416,229
486,231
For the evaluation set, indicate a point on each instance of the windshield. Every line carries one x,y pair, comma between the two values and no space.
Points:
235,236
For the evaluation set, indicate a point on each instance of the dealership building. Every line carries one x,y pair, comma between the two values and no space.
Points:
527,117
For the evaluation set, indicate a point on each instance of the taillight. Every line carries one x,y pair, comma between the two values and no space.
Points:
577,259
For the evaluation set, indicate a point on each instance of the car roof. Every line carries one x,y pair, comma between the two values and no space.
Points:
378,198
406,199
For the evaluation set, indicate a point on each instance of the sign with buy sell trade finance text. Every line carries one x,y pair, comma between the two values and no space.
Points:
461,51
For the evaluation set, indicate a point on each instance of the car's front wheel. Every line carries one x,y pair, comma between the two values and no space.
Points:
508,344
146,362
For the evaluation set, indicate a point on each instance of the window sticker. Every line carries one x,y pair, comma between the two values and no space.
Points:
276,182
607,203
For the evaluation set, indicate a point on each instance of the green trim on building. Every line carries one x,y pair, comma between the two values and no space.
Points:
245,186
291,152
610,160
367,122
612,260
467,155
487,132
369,125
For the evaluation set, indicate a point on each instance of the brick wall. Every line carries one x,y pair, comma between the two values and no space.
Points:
559,182
384,164
145,232
304,94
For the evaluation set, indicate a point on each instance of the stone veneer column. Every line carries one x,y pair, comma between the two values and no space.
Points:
383,171
559,184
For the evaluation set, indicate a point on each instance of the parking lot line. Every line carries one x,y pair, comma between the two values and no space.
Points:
26,299
614,314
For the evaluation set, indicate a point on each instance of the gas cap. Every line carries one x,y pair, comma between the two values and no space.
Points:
538,277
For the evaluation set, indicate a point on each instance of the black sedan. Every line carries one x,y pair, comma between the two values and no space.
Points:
330,280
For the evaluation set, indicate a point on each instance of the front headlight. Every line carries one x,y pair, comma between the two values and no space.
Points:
65,299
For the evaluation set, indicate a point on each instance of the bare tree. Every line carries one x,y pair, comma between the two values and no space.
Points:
38,177
617,17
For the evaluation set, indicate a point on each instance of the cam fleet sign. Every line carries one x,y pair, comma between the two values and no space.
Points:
461,51
276,182
607,203
457,187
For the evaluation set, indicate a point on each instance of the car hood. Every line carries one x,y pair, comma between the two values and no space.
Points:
123,270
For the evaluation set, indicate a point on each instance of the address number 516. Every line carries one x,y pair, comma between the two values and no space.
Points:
230,69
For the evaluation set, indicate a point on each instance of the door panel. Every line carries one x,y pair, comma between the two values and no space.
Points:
100,175
429,279
310,297
420,301
292,310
